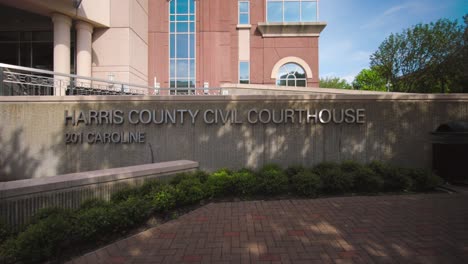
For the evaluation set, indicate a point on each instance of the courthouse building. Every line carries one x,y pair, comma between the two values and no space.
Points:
166,43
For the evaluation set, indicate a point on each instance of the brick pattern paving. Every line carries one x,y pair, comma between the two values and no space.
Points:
429,228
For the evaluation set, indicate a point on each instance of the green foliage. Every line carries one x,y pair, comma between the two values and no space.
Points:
189,191
128,214
370,80
93,222
5,232
395,180
272,180
244,183
43,240
336,182
366,180
425,58
219,183
334,82
423,180
124,194
306,183
293,170
165,199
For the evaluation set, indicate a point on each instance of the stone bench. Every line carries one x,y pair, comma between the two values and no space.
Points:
20,200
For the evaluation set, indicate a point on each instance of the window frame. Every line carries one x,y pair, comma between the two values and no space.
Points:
287,78
239,13
192,56
300,10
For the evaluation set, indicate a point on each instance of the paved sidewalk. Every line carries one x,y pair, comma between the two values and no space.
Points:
383,229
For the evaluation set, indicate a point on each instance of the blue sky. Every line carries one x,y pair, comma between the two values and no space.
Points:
357,27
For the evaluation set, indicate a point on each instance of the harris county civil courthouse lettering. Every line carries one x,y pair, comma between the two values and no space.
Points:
166,43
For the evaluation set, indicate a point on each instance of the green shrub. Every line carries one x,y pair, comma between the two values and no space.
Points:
272,180
201,175
49,212
189,191
148,188
394,179
244,183
5,232
423,180
219,183
306,183
93,202
293,170
350,166
43,240
165,199
334,181
366,180
93,222
324,167
128,214
124,194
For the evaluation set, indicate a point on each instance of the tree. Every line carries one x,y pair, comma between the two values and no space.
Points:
370,80
425,58
334,82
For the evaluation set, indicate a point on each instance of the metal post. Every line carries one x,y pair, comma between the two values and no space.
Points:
1,81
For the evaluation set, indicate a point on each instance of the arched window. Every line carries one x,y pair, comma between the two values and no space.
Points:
291,74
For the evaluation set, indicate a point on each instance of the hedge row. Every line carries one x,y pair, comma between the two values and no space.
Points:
53,231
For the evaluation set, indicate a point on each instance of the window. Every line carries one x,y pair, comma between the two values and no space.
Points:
292,10
182,44
291,74
244,72
244,13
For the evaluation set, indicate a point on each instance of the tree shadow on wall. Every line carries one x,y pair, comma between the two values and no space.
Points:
16,160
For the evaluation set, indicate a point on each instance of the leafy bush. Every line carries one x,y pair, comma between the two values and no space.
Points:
423,180
128,214
334,180
189,191
366,180
350,166
244,183
91,203
219,183
292,171
148,188
272,180
124,194
306,183
165,199
45,239
5,232
93,222
394,178
50,212
323,168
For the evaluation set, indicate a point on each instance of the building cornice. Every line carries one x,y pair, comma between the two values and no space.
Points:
291,29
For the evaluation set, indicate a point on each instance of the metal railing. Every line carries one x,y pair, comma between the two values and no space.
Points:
24,81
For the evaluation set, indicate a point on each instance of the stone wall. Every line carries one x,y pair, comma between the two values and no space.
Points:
396,129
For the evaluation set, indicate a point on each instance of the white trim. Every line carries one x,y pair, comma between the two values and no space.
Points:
291,59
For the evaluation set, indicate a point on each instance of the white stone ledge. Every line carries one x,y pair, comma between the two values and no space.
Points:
61,182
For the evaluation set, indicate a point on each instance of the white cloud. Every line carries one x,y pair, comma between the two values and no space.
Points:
391,14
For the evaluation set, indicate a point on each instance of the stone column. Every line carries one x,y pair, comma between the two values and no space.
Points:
62,25
84,33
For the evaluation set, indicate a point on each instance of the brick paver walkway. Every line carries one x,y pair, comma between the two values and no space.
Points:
385,229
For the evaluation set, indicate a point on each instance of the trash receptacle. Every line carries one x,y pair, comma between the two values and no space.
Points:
450,152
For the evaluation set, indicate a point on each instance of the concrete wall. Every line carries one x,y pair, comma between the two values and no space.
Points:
397,129
122,49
